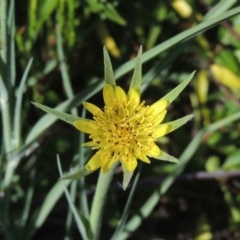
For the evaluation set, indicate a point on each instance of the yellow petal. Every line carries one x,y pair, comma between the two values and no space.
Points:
105,165
161,131
141,156
85,126
92,108
94,163
155,151
89,144
159,118
134,95
111,163
166,157
108,94
130,164
157,107
120,94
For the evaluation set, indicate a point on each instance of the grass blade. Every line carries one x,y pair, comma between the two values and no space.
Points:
80,224
126,210
63,65
18,107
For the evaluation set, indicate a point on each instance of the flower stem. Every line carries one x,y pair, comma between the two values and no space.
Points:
99,200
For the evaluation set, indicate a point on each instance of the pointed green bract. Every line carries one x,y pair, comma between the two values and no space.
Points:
108,71
137,74
177,123
76,174
126,178
166,157
61,115
177,90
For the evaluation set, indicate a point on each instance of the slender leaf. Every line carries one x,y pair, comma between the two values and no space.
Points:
80,223
61,115
76,174
126,210
177,123
126,178
18,107
177,90
63,65
136,82
166,157
220,8
108,71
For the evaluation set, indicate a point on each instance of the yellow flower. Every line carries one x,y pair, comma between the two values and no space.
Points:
126,129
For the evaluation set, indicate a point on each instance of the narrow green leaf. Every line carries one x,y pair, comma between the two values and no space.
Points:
81,222
61,115
108,71
127,207
94,6
6,122
177,90
219,8
112,14
48,204
18,106
76,174
166,157
177,123
3,90
3,30
63,65
137,74
32,6
11,66
126,177
43,11
81,160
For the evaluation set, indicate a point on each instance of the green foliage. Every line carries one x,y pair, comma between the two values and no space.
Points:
58,63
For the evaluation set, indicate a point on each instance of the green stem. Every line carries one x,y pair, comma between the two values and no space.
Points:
11,69
99,200
3,81
5,116
3,37
6,123
69,220
81,161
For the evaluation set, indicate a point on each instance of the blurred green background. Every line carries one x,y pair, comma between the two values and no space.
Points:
65,38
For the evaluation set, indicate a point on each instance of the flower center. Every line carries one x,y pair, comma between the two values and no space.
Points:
123,128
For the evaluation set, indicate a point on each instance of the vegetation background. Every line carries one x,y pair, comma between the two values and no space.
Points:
51,53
